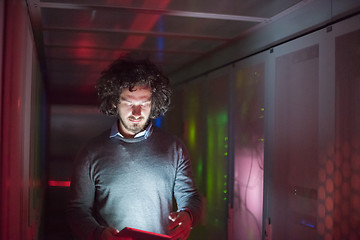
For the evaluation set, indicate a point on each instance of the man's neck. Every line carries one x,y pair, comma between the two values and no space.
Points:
128,134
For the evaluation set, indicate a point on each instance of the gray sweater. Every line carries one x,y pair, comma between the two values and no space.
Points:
121,183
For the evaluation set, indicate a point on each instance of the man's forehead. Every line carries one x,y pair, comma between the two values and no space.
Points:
136,88
143,92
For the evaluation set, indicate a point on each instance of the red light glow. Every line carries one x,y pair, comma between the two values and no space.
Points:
53,183
145,23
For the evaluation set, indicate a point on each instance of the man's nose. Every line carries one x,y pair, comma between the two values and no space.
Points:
136,110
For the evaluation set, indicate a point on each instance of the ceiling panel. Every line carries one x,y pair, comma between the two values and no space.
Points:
104,20
77,38
256,8
113,41
87,18
209,28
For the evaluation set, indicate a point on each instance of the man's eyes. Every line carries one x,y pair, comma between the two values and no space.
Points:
129,104
145,104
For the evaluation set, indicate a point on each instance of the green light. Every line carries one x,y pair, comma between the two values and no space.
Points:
199,168
216,125
192,133
226,154
222,119
211,169
225,191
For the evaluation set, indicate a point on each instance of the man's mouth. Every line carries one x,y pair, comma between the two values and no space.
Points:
135,120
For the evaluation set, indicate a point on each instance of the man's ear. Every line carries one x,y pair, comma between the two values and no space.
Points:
115,108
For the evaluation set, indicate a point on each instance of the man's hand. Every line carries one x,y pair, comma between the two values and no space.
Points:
110,234
181,225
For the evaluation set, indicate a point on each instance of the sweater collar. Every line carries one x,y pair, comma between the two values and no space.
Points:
114,132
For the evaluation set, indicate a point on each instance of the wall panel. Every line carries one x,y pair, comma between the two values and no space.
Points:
294,139
22,120
312,188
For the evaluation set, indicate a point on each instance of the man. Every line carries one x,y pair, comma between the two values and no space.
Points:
128,176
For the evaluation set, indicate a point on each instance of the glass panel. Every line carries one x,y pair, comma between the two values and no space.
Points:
195,139
249,152
194,132
217,158
345,177
294,169
204,121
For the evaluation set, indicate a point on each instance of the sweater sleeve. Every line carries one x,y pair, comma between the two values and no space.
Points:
185,192
80,206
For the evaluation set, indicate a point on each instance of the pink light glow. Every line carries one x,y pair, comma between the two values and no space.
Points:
248,193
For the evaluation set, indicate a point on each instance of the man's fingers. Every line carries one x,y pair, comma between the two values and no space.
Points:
174,224
109,233
174,217
114,231
180,226
180,233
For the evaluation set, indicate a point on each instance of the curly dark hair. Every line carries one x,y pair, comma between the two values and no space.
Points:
127,73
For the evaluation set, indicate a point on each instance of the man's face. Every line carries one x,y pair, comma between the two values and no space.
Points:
134,110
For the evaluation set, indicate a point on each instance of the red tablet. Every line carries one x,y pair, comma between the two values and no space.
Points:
137,234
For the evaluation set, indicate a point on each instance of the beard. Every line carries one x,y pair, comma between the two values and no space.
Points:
134,127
